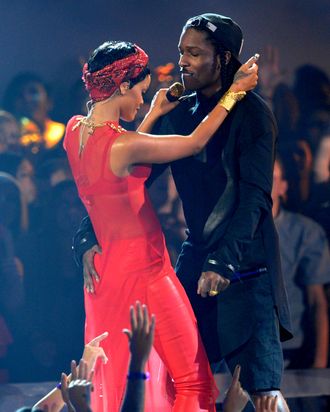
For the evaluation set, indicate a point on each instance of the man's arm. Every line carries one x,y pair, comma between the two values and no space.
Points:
256,148
83,240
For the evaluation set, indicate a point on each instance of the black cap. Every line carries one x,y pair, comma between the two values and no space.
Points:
223,29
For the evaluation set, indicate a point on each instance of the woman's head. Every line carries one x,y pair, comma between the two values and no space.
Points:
110,65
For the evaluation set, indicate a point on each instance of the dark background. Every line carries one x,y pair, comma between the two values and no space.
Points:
52,36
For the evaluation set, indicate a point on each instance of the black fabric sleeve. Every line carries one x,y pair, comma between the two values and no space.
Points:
83,240
255,151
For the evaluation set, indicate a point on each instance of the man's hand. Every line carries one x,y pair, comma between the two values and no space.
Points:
236,397
89,271
211,283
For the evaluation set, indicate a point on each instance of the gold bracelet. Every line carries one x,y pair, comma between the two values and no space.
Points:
229,99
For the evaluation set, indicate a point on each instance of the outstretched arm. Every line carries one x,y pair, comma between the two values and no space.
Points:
133,148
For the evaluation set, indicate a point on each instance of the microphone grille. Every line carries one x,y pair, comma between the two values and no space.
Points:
175,91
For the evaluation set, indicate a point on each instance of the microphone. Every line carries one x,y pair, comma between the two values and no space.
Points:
174,92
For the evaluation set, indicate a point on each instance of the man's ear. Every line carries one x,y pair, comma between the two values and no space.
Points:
123,87
227,56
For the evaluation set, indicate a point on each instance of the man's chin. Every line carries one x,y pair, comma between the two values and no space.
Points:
189,84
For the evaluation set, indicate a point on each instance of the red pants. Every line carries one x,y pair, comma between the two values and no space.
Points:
177,343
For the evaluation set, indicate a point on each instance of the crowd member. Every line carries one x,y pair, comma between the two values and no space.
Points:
27,98
11,271
53,401
306,267
9,133
110,176
303,115
226,195
22,169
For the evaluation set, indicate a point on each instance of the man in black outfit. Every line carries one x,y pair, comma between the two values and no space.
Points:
229,264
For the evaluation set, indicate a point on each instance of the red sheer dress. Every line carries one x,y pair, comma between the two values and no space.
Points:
134,265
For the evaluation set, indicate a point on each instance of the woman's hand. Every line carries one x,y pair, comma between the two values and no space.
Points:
160,105
246,77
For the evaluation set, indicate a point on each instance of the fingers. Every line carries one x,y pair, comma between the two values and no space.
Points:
89,270
145,320
91,375
140,320
210,283
236,374
74,371
224,284
133,317
203,286
64,388
152,326
128,333
139,315
64,381
266,403
82,369
88,281
96,341
252,60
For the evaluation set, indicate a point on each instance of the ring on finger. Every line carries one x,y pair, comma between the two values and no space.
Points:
213,292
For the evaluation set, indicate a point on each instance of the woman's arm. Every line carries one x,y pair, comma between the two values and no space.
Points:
134,148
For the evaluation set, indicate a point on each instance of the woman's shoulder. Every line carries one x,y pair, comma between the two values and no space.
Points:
70,128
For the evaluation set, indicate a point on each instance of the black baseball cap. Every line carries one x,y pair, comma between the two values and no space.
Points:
223,29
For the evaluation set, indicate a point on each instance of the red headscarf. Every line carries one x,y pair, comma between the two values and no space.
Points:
103,83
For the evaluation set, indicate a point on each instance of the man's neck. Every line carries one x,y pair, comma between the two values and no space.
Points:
209,91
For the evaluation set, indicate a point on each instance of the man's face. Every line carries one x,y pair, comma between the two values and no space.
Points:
33,99
200,67
280,185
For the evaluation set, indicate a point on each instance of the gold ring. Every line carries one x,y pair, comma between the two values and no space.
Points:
213,292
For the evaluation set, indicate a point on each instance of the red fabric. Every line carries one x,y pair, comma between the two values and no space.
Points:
134,265
103,83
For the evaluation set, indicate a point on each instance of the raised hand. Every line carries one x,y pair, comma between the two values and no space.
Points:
236,397
93,351
76,394
160,104
140,336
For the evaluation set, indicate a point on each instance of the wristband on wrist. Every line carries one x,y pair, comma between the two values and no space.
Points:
138,376
229,99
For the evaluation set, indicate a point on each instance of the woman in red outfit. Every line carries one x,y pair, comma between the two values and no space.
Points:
110,167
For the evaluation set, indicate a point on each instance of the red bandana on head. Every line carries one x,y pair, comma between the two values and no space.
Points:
103,83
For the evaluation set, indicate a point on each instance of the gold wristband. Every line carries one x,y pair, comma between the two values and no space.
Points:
229,99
